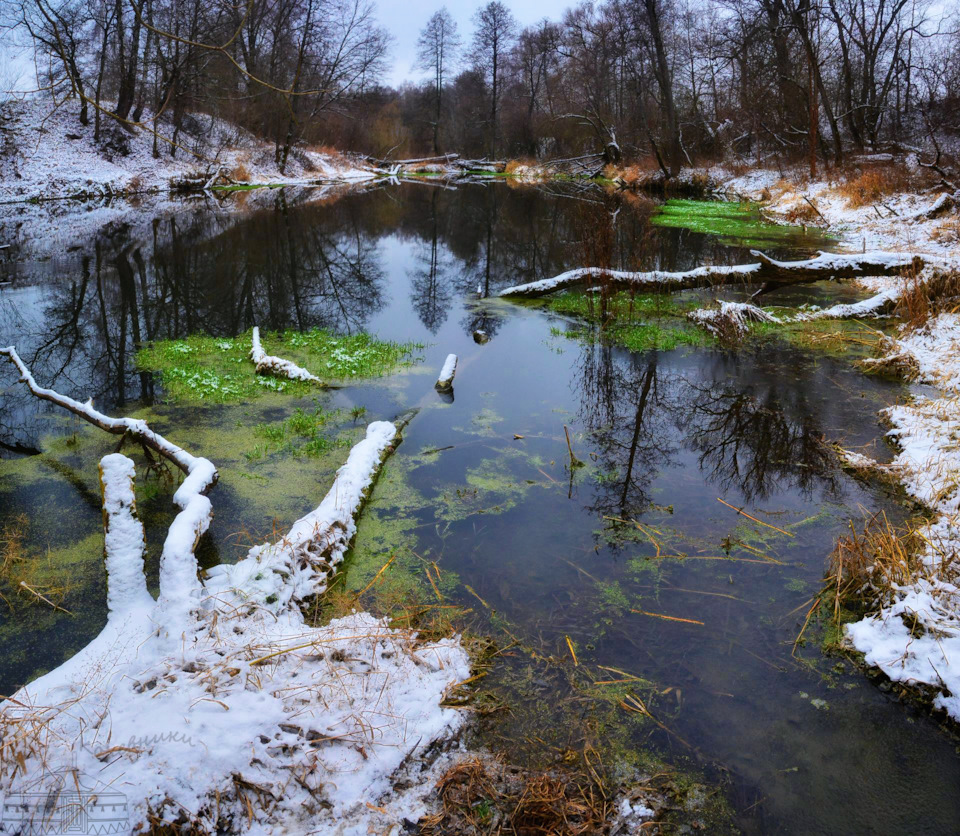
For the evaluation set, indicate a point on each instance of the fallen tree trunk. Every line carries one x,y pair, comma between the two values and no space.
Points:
441,158
770,272
179,584
268,364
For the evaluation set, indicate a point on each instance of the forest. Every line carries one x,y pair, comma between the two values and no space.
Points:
663,81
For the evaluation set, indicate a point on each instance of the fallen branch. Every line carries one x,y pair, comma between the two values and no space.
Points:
301,565
267,364
771,272
179,585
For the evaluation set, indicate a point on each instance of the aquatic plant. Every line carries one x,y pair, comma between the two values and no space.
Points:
217,369
735,224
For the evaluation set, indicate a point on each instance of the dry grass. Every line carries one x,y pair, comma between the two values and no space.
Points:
872,185
522,162
947,232
926,296
483,796
866,567
240,173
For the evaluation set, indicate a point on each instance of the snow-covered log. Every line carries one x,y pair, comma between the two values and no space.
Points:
767,270
252,720
876,305
123,537
447,373
179,584
301,565
277,366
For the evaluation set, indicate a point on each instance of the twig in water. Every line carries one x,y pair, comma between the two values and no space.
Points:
761,522
574,461
576,664
667,617
43,598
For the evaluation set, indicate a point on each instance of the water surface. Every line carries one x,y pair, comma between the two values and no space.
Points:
540,553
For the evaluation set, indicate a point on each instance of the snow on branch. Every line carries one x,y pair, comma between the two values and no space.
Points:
179,584
118,426
123,536
279,575
268,364
767,270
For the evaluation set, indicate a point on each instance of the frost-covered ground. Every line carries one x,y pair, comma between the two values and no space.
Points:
898,223
45,152
914,638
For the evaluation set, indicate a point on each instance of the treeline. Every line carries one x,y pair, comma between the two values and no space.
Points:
678,83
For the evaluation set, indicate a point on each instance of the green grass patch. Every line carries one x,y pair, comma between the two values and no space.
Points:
218,369
735,224
639,322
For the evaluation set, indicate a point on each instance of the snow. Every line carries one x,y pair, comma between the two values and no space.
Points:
55,156
219,702
906,221
652,277
123,536
735,315
445,380
928,465
298,567
268,364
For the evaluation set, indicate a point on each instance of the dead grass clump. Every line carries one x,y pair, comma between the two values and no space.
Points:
947,232
481,796
801,212
926,296
873,185
522,162
869,563
240,173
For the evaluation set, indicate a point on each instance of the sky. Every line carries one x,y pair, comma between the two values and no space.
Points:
405,18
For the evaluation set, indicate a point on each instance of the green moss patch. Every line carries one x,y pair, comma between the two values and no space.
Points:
218,369
734,224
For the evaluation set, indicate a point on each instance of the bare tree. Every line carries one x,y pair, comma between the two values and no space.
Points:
491,45
437,50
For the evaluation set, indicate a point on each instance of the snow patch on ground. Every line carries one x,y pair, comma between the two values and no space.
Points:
927,433
49,153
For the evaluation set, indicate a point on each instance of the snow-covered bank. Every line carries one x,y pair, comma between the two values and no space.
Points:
47,153
218,705
914,637
911,219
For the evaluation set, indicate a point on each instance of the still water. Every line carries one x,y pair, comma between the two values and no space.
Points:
632,557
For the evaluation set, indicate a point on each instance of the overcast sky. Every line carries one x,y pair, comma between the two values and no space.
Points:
405,18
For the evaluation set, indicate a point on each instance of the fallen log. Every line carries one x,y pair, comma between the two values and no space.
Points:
770,272
179,584
440,158
267,364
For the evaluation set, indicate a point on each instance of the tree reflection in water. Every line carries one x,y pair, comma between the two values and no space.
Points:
287,262
753,437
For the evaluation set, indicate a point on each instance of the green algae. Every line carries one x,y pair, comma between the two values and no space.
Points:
735,224
202,369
